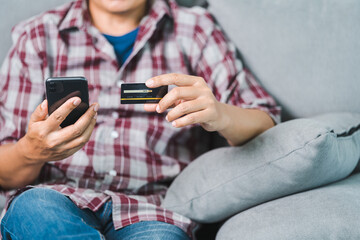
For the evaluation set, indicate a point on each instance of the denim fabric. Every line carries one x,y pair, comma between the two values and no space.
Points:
46,214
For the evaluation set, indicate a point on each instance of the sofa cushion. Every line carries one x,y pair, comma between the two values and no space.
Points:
330,212
293,156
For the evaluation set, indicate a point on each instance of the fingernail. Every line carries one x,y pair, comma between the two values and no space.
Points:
158,108
43,105
76,102
173,124
167,119
96,107
149,83
95,116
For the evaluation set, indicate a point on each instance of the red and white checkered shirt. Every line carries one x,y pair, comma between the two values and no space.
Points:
132,155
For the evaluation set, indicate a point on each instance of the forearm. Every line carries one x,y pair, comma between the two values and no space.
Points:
15,170
241,125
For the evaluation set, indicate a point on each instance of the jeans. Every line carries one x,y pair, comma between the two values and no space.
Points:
41,213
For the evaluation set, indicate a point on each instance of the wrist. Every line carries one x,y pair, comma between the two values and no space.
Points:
226,128
225,120
23,150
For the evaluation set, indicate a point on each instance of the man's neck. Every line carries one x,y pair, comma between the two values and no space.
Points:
116,24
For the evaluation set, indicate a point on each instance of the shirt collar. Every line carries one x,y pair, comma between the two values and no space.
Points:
78,15
161,8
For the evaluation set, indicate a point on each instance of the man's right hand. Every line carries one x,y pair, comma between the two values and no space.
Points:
46,141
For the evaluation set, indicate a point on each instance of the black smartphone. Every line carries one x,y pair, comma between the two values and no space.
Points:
60,89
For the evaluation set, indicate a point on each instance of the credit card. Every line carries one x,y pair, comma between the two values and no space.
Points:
136,93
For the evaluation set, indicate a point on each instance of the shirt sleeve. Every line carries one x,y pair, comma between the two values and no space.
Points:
21,84
217,61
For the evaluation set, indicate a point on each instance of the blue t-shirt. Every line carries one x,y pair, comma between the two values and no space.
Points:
123,45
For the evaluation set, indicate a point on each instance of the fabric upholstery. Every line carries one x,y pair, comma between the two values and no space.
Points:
330,212
303,52
294,156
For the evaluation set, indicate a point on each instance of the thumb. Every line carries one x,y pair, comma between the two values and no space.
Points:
40,112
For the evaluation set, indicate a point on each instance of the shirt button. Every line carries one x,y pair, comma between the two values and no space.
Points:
114,134
118,83
112,173
115,115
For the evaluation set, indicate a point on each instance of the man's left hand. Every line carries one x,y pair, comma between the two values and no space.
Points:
192,99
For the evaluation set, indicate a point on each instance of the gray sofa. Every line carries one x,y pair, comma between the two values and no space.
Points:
306,54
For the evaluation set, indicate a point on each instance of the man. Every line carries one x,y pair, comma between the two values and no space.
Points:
106,175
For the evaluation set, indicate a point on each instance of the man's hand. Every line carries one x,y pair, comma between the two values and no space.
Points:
46,141
193,102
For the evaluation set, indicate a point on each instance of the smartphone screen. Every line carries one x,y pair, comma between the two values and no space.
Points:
60,89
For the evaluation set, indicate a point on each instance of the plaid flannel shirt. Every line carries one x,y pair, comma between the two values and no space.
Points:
132,155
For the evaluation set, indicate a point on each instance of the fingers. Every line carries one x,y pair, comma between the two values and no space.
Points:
176,94
82,125
185,108
193,100
80,141
150,107
47,141
192,118
172,79
58,116
40,113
